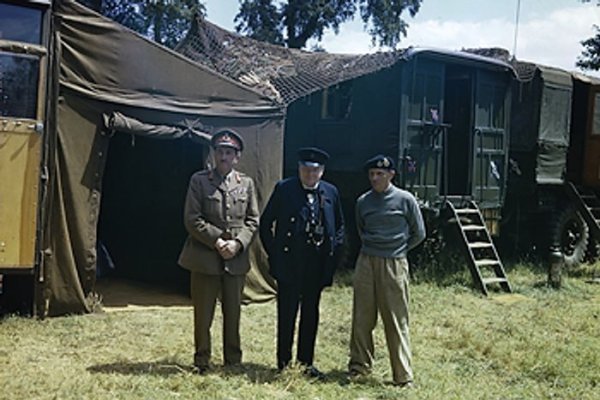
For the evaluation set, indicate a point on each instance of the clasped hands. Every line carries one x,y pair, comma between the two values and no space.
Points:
227,248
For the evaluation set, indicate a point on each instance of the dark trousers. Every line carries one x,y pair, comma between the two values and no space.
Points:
304,294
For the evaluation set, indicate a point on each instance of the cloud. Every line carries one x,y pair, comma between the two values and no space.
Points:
556,40
552,39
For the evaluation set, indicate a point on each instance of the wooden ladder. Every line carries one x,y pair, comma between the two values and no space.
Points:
484,262
588,205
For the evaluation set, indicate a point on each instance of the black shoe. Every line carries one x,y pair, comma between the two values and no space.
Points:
312,372
281,365
201,369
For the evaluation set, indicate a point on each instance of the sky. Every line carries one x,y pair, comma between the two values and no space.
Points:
549,31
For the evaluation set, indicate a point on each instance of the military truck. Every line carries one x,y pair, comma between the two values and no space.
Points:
552,199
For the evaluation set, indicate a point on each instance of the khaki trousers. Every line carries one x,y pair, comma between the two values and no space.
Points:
205,289
381,284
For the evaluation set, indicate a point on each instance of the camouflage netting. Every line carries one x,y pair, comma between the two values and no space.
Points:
281,73
525,70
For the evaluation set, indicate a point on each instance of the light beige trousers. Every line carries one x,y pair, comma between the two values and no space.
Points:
381,285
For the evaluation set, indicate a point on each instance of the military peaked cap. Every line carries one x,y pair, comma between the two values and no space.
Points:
227,138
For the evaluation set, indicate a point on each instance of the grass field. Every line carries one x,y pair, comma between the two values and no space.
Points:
537,343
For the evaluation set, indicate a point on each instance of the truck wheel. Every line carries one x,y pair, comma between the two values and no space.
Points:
571,234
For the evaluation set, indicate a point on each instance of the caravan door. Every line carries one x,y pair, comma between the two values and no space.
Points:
490,139
22,72
422,141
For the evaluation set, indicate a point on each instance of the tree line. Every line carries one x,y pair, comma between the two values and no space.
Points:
289,23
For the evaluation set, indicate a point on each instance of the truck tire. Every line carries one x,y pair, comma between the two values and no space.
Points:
571,234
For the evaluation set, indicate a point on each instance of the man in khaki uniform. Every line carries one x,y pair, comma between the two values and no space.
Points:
221,217
389,223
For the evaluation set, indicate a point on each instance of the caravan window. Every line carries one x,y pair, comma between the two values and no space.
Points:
20,24
426,97
596,114
490,106
18,85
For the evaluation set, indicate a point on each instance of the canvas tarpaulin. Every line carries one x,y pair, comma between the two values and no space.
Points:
117,121
554,121
540,118
103,68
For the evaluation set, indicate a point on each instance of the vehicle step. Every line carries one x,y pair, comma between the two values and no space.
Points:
480,245
466,211
486,262
488,281
473,227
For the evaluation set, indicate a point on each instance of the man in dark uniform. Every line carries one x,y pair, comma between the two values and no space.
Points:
302,249
221,217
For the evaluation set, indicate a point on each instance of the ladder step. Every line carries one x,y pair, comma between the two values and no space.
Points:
488,281
466,211
480,245
487,262
473,228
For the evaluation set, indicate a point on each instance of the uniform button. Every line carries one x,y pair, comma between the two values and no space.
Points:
307,241
228,206
289,234
228,218
331,253
292,219
286,249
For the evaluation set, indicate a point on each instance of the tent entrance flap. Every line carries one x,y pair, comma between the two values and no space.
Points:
140,226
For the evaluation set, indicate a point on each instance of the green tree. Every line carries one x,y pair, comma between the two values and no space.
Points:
164,21
590,56
294,22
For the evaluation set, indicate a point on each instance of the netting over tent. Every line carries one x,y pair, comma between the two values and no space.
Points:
525,70
281,73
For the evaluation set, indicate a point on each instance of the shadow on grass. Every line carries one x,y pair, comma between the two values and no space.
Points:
161,368
255,372
340,376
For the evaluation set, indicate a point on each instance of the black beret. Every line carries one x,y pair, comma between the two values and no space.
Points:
227,138
313,157
380,161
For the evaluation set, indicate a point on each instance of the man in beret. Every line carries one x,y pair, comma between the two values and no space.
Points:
389,223
221,217
301,229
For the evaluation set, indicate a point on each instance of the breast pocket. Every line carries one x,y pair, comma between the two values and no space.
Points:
240,205
212,204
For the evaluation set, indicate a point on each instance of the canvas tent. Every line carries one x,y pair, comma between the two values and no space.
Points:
109,183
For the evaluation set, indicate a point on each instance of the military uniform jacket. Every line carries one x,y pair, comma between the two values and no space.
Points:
215,208
285,244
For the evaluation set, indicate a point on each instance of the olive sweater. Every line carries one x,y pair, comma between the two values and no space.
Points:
389,223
